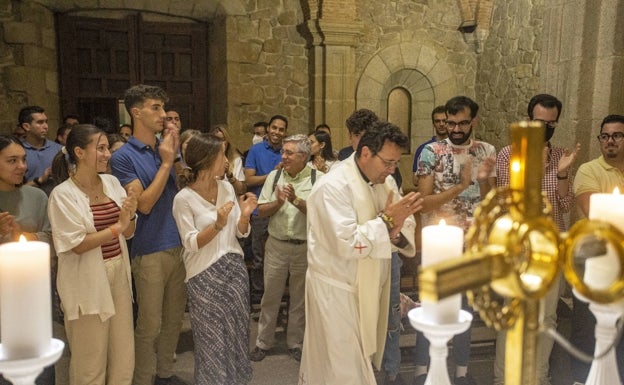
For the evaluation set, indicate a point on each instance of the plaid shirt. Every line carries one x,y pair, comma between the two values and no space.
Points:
560,205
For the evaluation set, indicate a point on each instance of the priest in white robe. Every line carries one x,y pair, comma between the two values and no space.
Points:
356,217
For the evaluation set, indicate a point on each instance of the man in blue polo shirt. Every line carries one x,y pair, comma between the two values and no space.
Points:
40,151
145,164
262,158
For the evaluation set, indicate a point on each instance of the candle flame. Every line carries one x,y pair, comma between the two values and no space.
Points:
616,191
22,238
442,222
515,166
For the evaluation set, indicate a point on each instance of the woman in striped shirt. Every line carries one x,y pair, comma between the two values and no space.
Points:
91,217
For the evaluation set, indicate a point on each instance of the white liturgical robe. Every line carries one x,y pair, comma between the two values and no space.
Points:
348,278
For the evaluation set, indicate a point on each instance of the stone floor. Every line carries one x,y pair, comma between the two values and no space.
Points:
279,369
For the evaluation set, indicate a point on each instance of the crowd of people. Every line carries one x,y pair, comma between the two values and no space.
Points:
156,214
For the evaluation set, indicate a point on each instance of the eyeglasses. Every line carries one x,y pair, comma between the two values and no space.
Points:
616,136
290,153
548,123
463,124
389,163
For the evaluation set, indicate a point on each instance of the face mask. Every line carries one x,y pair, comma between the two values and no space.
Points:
549,132
257,139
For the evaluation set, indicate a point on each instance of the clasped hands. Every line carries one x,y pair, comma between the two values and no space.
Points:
401,209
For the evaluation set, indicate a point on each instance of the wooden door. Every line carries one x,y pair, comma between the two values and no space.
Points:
100,58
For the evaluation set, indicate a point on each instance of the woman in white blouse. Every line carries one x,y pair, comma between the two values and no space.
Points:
210,217
91,217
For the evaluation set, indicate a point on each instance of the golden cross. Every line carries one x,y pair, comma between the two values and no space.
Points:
511,249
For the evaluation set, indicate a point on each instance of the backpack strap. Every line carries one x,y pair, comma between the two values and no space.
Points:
277,176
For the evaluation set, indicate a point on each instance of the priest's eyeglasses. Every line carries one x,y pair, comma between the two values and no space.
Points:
616,136
389,163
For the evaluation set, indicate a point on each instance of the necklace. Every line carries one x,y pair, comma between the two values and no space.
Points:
88,192
209,194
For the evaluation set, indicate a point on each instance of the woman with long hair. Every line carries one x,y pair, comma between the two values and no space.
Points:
23,210
91,217
210,217
323,157
234,161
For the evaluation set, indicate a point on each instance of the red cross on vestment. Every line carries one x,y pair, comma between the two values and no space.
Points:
360,247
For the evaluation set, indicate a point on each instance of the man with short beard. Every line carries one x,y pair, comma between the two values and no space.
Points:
600,175
454,175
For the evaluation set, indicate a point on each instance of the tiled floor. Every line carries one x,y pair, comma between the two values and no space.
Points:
278,368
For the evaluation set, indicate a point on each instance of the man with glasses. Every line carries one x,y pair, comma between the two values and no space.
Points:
454,175
438,119
600,175
283,202
261,159
543,108
356,218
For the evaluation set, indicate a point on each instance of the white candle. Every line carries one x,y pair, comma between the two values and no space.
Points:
441,243
25,303
608,207
601,271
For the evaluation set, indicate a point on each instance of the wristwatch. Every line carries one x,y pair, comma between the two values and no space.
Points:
296,201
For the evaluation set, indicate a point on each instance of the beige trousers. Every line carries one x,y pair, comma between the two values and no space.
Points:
102,353
161,297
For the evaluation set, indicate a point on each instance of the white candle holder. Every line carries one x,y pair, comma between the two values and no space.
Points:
25,371
438,336
604,370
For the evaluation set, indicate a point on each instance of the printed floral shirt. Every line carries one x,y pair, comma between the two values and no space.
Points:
444,161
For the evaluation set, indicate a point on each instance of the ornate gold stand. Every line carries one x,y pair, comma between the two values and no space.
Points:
513,254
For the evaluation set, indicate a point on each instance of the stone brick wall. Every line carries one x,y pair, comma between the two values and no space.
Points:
267,68
508,69
28,65
389,23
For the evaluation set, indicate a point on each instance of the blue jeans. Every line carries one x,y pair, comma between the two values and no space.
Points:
461,344
392,354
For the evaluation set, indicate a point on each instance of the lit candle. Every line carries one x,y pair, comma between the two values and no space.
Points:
608,207
25,303
441,243
601,271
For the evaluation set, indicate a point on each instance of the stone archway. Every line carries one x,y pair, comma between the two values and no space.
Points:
418,68
423,72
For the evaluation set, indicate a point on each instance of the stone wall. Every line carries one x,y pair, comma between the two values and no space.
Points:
509,68
420,37
267,67
28,65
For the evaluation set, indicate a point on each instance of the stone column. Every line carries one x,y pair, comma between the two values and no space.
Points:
332,74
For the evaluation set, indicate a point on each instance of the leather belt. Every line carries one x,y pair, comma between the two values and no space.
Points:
294,241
